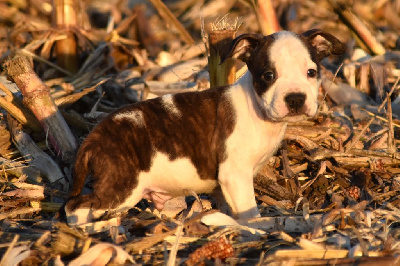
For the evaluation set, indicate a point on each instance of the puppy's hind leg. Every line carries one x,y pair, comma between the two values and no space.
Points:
130,201
86,208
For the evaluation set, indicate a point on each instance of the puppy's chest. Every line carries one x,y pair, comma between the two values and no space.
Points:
254,139
256,143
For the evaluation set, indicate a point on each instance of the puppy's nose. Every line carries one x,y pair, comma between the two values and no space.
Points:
295,101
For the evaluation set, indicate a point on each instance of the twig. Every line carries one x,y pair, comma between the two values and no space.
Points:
390,121
391,140
380,118
354,140
69,99
326,93
321,171
287,172
174,250
164,11
19,211
369,153
14,241
389,94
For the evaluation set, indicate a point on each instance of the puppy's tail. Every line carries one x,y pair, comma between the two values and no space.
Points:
81,170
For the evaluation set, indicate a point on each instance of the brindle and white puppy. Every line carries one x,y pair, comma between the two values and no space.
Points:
207,141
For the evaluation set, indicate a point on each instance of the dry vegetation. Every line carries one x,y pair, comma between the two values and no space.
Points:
330,196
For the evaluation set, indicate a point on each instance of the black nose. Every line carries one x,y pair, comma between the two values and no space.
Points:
295,101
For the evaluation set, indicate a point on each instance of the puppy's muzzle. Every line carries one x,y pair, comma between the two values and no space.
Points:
295,103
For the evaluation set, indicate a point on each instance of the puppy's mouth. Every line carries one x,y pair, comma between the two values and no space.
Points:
291,116
296,118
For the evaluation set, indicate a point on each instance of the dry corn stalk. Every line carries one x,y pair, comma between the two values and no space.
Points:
219,38
266,16
358,27
38,99
64,18
217,249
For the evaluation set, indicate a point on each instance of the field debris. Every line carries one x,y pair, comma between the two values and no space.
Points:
331,195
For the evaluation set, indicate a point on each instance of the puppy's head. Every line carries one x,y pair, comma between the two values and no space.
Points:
285,69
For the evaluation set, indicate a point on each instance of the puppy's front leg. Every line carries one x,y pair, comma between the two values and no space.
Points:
237,187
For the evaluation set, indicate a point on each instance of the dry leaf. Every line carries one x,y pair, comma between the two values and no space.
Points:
218,219
102,254
16,255
173,206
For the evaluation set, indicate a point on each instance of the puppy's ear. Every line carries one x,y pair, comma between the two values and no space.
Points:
241,47
324,43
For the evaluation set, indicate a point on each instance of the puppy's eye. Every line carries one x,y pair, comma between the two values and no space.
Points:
311,73
268,76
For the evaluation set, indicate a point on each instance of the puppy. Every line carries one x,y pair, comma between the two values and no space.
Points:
211,141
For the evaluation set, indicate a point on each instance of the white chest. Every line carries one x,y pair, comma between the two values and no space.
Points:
254,139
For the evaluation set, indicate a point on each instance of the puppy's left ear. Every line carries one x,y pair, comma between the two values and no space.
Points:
324,43
241,47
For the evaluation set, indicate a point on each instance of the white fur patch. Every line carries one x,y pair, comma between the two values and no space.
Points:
79,216
83,216
168,102
252,141
265,135
172,178
135,116
291,60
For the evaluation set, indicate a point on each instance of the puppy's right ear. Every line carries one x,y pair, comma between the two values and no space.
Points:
241,47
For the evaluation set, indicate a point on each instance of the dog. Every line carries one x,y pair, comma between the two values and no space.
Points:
211,141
